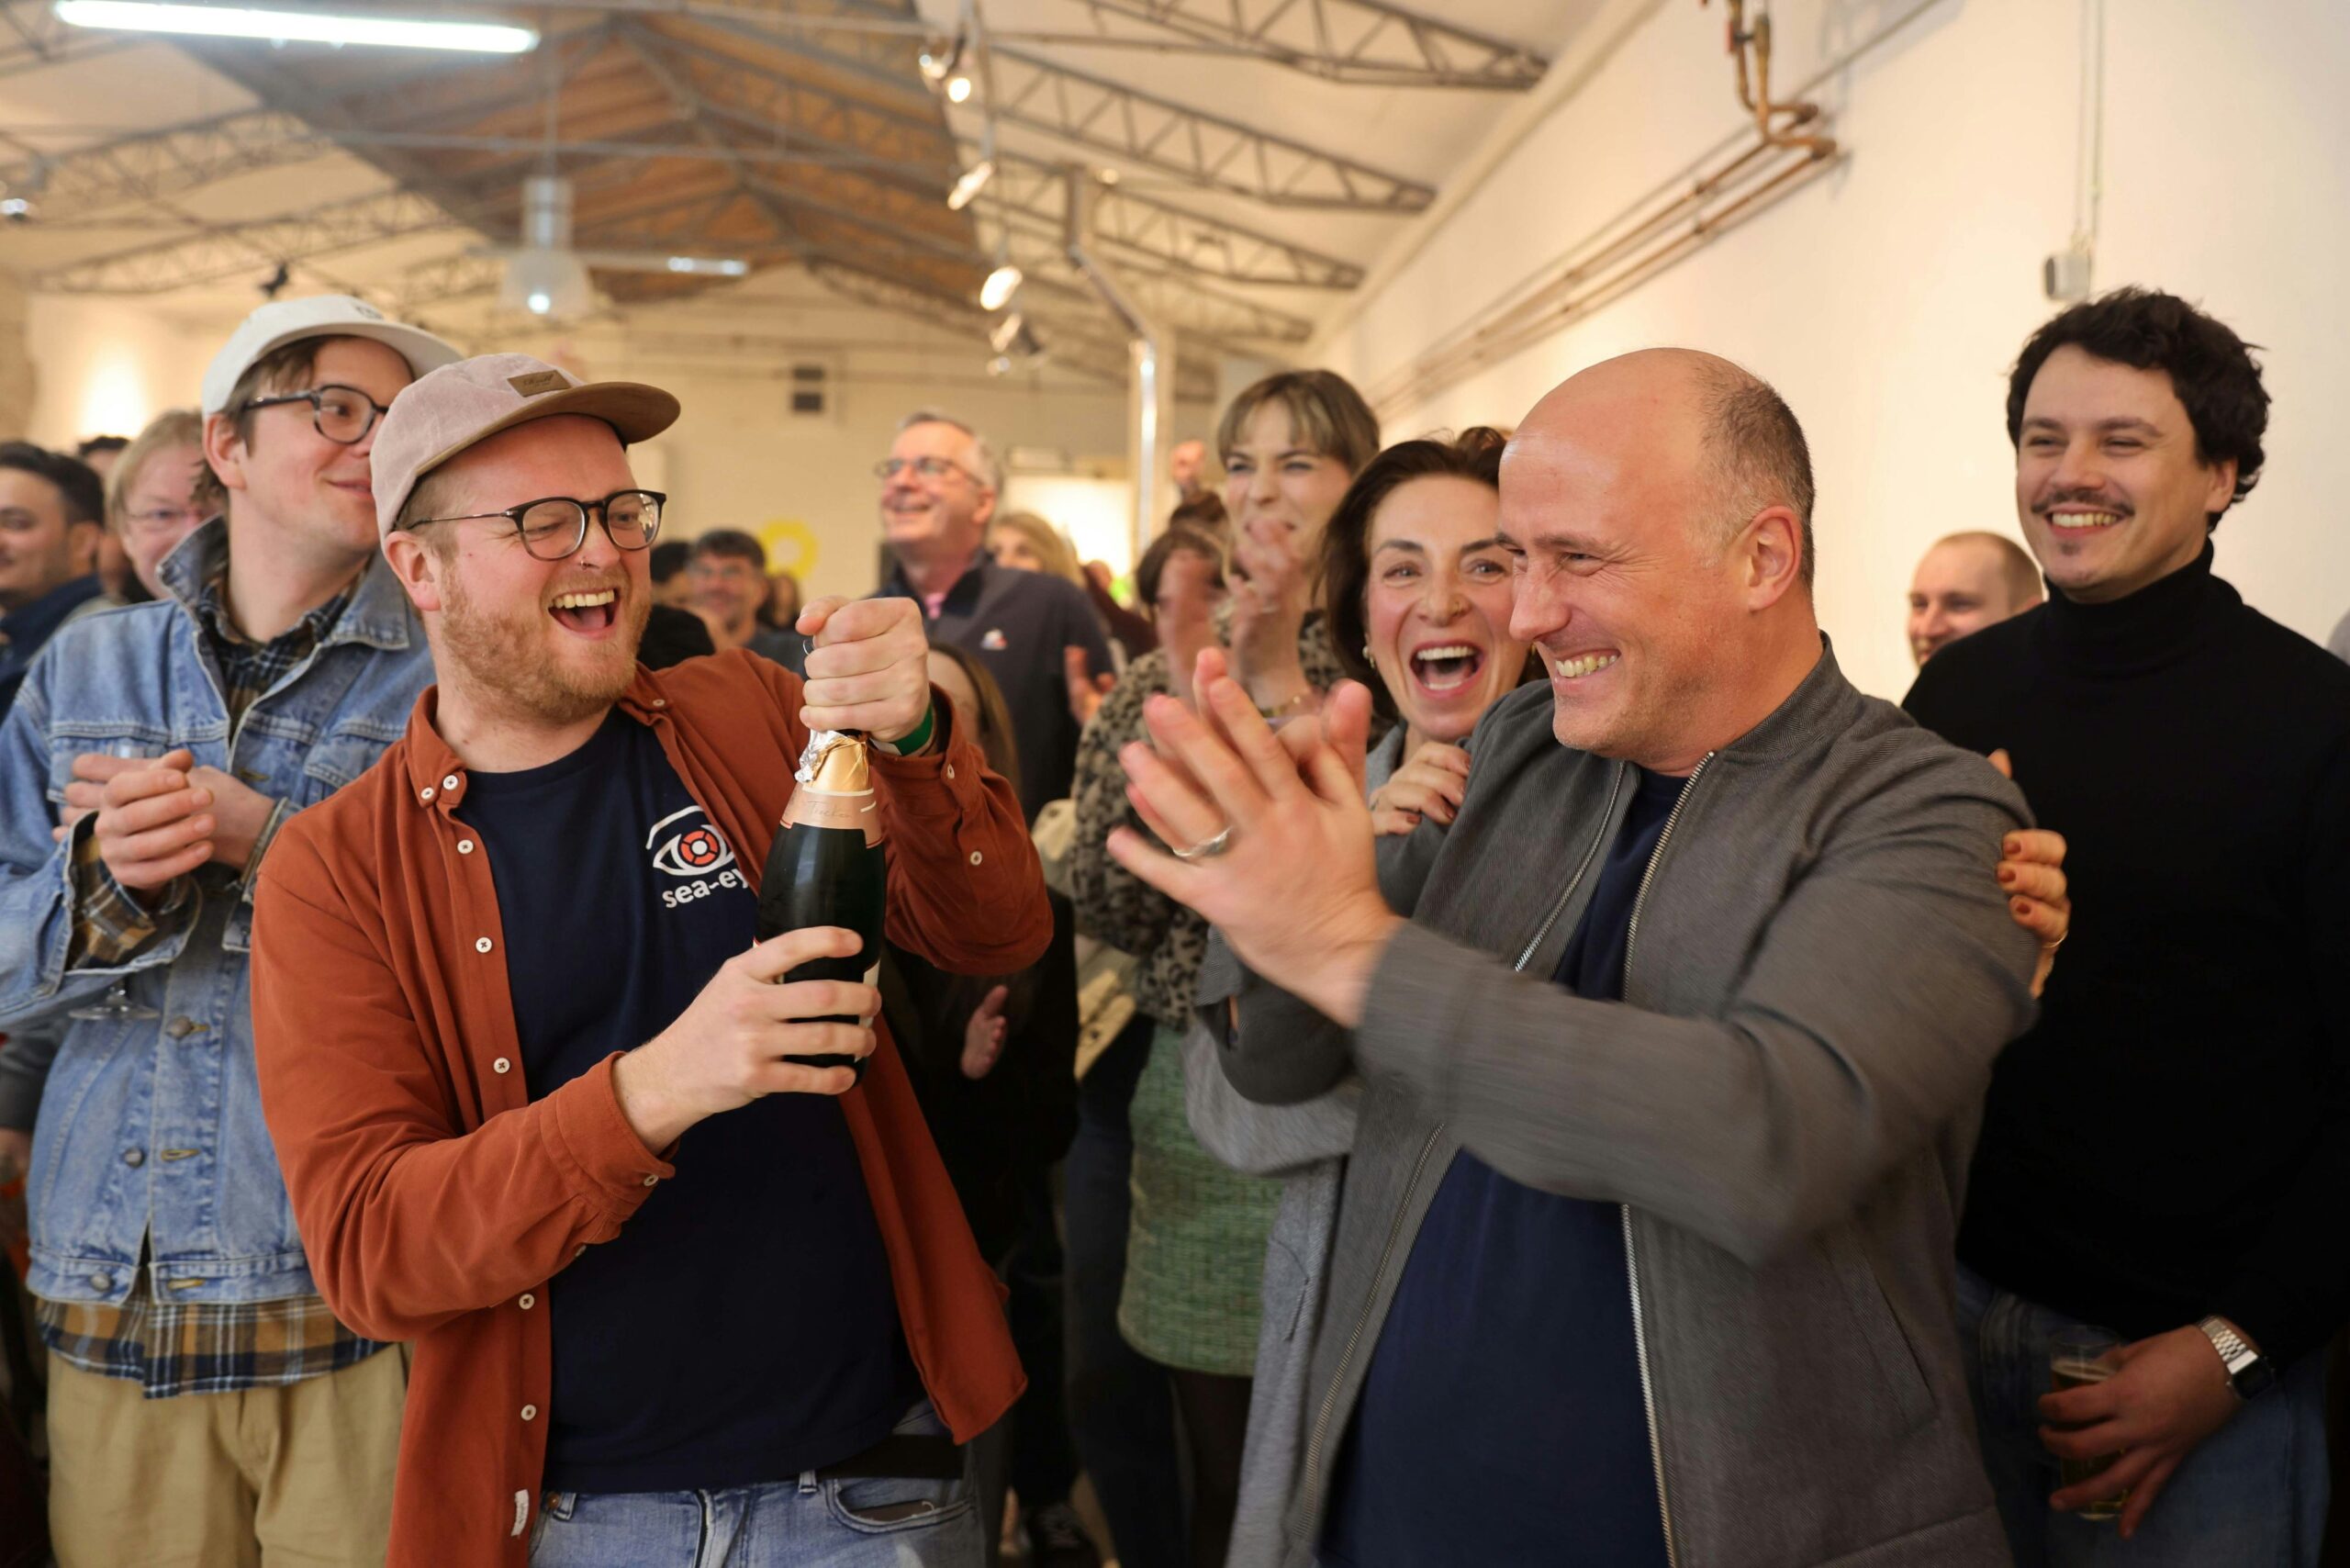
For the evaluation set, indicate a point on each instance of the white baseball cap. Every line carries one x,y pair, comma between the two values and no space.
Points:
282,321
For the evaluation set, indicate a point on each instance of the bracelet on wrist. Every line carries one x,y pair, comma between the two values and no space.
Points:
1295,707
915,742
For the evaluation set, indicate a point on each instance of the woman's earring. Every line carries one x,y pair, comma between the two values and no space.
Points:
1368,658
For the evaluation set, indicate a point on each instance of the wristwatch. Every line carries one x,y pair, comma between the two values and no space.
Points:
2249,1371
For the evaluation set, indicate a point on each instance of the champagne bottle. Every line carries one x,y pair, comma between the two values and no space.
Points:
826,867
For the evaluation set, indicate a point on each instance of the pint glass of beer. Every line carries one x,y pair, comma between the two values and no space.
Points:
2077,1357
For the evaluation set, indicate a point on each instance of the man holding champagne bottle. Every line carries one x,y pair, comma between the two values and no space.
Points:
679,1295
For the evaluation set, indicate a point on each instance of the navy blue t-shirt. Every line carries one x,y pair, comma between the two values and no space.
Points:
741,1327
1502,1420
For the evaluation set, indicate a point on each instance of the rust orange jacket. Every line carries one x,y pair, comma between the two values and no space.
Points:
436,1199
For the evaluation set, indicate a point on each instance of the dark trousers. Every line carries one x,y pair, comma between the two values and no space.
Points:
1031,1448
1122,1410
1042,1464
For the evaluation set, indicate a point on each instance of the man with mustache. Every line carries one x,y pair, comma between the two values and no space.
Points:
2167,1153
677,1297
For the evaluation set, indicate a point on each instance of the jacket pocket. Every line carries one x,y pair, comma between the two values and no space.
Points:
342,757
1877,1327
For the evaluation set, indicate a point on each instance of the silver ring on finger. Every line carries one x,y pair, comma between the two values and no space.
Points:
1208,848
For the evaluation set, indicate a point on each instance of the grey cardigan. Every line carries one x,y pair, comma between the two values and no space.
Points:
1306,1147
1820,971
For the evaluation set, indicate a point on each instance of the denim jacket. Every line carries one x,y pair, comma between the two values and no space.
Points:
151,1127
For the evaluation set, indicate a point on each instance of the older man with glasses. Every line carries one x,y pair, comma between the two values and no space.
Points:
939,487
205,1404
677,1297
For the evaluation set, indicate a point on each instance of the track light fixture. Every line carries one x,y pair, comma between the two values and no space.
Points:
974,180
1000,285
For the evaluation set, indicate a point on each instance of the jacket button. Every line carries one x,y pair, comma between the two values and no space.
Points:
527,1302
649,1181
529,1412
975,857
425,793
660,702
501,1065
481,944
134,1156
465,846
950,770
449,782
102,1281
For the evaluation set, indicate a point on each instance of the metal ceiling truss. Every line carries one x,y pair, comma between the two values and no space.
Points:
1360,42
871,221
32,37
1363,42
1185,304
1131,223
1107,118
233,250
1083,342
1205,150
788,114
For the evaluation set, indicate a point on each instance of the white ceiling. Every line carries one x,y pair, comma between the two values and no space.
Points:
1418,134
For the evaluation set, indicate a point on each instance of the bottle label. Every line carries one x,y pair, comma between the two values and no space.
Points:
819,808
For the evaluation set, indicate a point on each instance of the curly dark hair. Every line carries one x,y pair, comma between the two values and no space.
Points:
2210,367
1475,454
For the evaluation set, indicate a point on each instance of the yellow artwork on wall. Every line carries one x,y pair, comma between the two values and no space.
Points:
790,545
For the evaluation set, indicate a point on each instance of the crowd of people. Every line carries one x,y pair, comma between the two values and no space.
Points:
1437,1028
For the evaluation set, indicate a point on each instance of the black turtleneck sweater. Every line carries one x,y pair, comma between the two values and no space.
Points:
2172,1138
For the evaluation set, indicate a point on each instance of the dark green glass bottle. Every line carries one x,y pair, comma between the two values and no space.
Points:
826,867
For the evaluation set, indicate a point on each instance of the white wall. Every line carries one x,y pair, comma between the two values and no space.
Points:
1886,300
105,367
734,462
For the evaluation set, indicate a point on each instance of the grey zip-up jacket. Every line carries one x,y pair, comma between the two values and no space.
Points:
1821,970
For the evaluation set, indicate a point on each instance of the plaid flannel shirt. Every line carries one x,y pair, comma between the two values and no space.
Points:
204,1347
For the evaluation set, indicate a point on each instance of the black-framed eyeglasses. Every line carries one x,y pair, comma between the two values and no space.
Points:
553,528
342,414
928,467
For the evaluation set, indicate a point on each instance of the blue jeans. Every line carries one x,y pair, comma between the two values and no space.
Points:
2252,1495
814,1522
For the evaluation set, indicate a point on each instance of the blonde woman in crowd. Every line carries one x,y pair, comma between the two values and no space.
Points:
1195,1240
152,501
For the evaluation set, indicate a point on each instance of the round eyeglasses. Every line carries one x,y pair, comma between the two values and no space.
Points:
554,529
342,414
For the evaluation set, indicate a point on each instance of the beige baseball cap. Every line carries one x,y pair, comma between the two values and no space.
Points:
438,416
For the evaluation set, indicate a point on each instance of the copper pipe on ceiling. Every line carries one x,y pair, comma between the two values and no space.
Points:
1671,222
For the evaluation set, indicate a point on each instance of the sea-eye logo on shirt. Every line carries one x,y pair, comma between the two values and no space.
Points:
686,846
992,640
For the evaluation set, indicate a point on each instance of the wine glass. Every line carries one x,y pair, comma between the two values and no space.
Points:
116,1006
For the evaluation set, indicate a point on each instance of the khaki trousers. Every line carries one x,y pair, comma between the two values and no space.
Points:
292,1477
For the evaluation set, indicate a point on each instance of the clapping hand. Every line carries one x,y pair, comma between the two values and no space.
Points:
1271,837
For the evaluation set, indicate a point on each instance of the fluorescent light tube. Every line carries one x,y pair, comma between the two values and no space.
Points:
299,26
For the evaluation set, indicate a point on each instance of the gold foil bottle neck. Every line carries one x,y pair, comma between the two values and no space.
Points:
835,786
835,763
